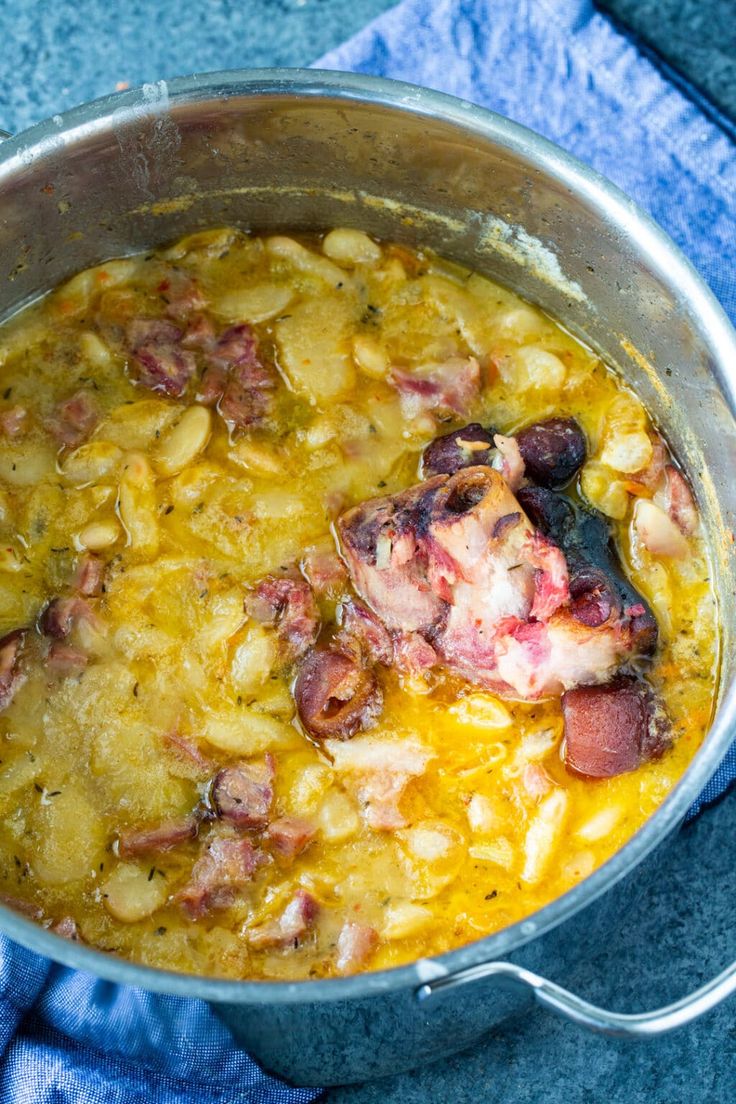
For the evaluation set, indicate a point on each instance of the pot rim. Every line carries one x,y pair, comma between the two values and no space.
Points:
608,202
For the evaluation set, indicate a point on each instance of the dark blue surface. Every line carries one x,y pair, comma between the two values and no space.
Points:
56,55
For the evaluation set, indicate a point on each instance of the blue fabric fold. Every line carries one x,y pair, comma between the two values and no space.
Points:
560,68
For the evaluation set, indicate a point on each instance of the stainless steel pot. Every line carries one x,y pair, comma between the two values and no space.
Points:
268,149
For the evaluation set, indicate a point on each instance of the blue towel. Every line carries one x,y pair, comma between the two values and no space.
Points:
66,1038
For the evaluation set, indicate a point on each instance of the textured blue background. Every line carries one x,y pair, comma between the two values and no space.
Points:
682,930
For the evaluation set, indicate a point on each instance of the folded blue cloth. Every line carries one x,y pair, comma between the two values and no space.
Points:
66,1038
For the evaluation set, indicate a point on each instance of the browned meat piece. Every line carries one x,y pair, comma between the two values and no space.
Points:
212,385
325,571
13,421
158,840
220,875
11,675
66,660
613,729
61,615
182,295
552,450
88,576
463,448
243,795
457,561
74,419
289,836
361,625
451,386
161,364
247,394
600,593
288,604
679,502
67,929
336,694
199,334
413,654
356,944
291,927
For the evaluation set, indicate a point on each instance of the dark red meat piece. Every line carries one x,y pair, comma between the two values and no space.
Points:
336,694
11,676
288,605
161,364
158,840
613,729
459,449
74,419
248,385
289,836
243,795
221,873
552,450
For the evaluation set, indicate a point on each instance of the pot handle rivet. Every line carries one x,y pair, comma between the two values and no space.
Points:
637,1025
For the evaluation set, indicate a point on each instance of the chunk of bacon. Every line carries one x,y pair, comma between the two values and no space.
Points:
291,926
247,384
243,795
182,294
13,421
613,729
158,840
88,576
288,604
356,945
61,615
220,875
451,386
11,674
457,561
160,362
378,770
288,836
73,419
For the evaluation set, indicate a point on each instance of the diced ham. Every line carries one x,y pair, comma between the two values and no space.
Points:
67,929
679,502
356,945
88,576
613,729
511,464
291,927
336,694
243,795
249,384
74,419
451,386
212,385
552,451
463,448
161,364
13,421
66,660
220,875
288,836
199,334
182,294
457,561
158,840
378,770
288,604
11,675
61,615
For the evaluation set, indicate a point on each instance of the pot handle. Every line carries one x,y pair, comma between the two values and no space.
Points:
637,1025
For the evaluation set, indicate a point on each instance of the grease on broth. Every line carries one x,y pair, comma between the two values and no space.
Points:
162,678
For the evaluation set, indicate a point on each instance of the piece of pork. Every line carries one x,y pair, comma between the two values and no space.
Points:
286,604
356,944
290,927
73,420
449,387
457,560
160,363
614,728
243,795
157,841
220,875
12,676
288,836
247,385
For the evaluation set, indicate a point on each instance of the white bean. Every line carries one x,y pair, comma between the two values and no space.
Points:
98,535
351,247
131,894
370,357
184,440
137,505
254,304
